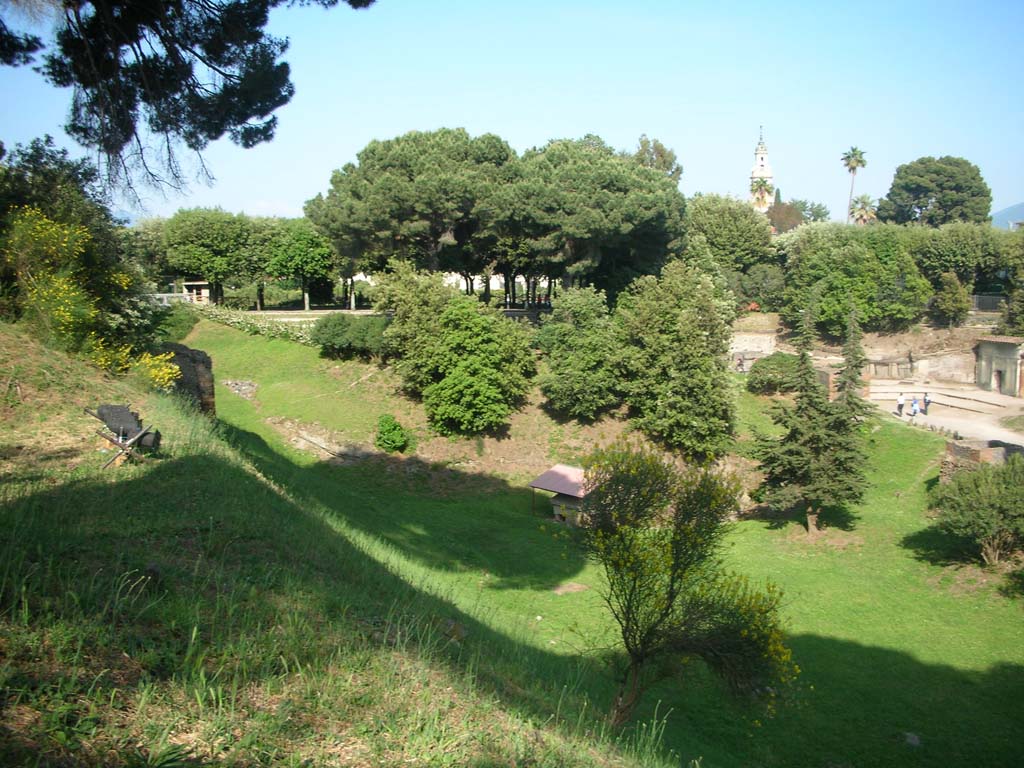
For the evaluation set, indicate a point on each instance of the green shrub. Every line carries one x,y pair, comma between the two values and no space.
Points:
775,373
985,507
340,335
392,437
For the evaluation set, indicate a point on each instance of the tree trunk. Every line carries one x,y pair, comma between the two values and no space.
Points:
259,296
305,294
849,204
351,293
627,697
512,289
487,288
812,521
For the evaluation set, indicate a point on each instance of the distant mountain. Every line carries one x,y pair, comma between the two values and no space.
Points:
1003,218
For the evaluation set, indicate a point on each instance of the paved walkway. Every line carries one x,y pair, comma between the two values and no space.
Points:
973,413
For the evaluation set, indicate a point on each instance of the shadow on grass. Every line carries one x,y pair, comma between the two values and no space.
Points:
437,515
935,546
775,519
239,583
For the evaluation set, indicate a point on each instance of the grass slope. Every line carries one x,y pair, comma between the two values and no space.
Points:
192,611
908,660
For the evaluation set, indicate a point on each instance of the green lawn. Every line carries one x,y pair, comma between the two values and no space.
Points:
892,640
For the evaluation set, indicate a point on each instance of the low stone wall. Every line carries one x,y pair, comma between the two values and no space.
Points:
971,454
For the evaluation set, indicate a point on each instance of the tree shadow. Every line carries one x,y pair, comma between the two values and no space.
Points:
204,534
840,517
444,518
937,547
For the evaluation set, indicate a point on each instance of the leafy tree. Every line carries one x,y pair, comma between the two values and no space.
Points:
143,244
208,243
1013,314
578,345
738,236
951,302
413,197
863,210
415,301
341,335
588,215
656,532
867,268
481,369
852,159
302,253
651,153
818,461
811,211
764,284
960,248
672,335
934,191
985,507
784,217
185,72
773,373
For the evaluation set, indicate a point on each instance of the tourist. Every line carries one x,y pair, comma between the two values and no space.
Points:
927,401
900,402
915,407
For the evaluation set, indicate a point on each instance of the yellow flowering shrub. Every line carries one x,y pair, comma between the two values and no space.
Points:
115,359
158,370
60,308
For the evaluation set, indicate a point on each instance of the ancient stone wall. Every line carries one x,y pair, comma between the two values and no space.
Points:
196,380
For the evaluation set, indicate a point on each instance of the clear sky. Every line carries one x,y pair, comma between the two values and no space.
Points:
898,79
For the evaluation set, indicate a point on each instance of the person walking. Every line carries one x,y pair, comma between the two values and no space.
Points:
915,407
927,401
900,402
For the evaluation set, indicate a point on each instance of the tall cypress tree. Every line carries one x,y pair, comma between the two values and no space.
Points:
819,460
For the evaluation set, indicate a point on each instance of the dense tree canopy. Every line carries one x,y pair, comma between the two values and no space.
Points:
578,343
672,334
738,236
865,268
187,71
574,210
935,191
207,243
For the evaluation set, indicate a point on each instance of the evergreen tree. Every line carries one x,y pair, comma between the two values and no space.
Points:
952,302
1013,314
819,460
848,381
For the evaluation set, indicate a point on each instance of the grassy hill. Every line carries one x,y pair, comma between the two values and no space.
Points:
191,611
271,591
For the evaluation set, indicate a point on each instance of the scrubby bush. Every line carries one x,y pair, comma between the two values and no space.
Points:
774,373
340,335
392,437
985,508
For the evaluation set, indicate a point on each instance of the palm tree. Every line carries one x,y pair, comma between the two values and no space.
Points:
863,210
852,159
760,189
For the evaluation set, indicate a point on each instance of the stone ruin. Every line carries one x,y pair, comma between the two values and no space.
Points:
971,454
196,380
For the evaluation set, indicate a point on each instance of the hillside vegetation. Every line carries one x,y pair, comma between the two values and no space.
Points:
272,591
190,611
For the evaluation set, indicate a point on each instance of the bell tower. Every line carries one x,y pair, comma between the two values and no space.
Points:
762,183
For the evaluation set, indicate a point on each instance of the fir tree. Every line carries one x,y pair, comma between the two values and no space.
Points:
849,384
819,460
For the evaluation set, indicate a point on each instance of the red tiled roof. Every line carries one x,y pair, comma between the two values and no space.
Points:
561,478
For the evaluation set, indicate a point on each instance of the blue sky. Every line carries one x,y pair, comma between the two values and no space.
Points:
898,79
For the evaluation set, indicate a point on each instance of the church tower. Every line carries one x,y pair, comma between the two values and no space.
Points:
762,183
